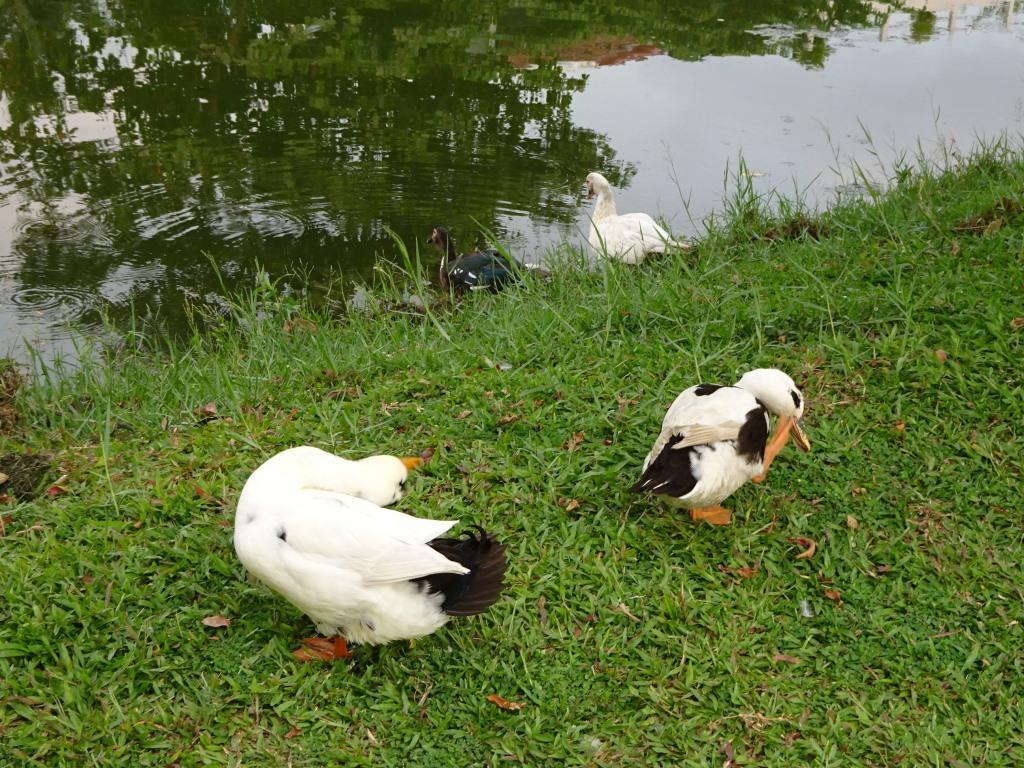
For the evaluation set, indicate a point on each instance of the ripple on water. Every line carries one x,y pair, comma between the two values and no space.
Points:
262,217
62,220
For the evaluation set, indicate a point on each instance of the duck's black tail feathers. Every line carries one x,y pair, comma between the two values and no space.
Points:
473,592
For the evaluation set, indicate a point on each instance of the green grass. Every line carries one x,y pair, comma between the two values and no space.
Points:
651,648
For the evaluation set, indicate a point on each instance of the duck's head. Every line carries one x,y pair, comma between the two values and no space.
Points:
383,477
781,397
441,238
596,185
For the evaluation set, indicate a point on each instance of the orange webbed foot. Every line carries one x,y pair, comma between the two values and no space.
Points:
712,515
323,649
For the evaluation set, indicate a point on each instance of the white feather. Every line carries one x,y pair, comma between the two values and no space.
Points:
344,561
628,237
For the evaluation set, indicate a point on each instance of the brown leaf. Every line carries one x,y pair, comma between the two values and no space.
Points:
502,703
56,490
810,545
883,568
208,411
574,442
941,355
464,414
786,658
730,755
217,621
542,611
6,498
1017,323
834,596
298,324
87,578
427,455
4,478
572,505
851,522
901,426
295,731
509,418
858,491
954,249
747,571
993,226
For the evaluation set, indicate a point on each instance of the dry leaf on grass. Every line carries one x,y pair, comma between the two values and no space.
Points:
542,611
464,414
298,324
834,595
206,412
4,478
427,455
217,621
572,505
509,418
574,442
295,731
1017,323
56,490
851,522
322,649
810,547
747,571
502,703
785,658
941,355
730,755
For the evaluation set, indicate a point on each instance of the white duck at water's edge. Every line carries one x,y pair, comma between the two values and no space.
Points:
311,526
714,438
628,237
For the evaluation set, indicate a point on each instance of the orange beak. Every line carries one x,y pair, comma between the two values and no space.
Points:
411,462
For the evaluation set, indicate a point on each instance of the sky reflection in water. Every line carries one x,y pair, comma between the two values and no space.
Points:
137,150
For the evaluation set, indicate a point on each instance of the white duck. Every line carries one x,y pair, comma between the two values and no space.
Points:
714,438
312,526
628,237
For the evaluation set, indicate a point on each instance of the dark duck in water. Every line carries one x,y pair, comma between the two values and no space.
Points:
482,270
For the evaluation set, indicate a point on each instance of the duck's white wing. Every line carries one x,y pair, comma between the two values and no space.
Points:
629,237
703,414
379,545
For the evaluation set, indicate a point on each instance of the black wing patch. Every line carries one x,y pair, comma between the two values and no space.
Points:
474,592
706,389
670,473
796,398
753,435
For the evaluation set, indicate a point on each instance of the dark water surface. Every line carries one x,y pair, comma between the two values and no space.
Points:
143,143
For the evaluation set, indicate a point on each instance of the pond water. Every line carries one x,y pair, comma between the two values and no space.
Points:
152,152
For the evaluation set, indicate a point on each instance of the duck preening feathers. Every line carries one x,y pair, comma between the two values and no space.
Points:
311,526
715,438
628,237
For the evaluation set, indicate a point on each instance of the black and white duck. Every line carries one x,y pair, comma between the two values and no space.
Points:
714,438
315,528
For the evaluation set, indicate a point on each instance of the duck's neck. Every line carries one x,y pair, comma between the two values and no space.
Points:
449,250
604,206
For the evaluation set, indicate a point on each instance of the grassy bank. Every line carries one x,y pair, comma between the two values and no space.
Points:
632,636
